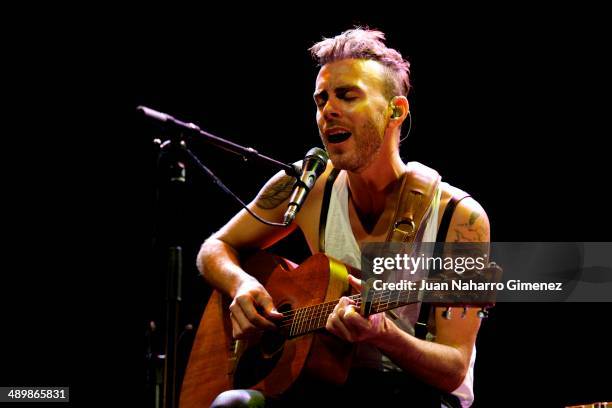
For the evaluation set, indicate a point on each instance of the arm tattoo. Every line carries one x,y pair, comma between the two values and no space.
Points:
473,216
274,194
471,231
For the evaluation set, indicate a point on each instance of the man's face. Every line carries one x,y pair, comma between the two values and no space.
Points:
351,111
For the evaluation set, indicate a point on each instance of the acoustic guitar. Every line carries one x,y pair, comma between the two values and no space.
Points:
273,361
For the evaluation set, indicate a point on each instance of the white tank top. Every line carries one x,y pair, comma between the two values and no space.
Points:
340,243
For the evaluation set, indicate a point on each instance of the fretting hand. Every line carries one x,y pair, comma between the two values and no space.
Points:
346,322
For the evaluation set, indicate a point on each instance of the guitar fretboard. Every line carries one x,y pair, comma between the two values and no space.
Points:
310,318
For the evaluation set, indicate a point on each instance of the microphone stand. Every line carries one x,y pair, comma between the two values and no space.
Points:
174,150
174,176
247,153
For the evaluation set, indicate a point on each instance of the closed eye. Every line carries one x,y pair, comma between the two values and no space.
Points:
350,93
320,99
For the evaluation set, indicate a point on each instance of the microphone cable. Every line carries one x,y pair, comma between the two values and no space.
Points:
224,188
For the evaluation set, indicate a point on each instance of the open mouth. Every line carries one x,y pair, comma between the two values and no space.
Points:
338,137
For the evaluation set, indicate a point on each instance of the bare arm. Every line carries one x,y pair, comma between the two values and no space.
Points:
443,363
219,259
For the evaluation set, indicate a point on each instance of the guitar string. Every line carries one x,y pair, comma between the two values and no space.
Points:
311,314
382,292
380,304
383,296
324,309
314,313
305,320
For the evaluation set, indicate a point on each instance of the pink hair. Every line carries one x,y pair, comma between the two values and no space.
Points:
363,43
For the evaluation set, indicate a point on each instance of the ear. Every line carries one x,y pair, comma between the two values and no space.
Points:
399,109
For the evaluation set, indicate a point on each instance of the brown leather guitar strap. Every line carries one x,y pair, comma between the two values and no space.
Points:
419,186
417,193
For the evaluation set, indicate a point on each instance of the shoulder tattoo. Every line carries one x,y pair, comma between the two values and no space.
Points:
274,194
476,229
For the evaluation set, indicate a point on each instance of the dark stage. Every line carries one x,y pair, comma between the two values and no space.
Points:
505,111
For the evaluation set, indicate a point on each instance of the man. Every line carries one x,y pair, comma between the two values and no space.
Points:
360,95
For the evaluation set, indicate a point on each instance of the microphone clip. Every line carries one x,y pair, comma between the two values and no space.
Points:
294,170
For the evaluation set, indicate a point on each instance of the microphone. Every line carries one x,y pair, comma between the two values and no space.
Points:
312,167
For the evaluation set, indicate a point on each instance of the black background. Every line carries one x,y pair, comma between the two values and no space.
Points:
506,107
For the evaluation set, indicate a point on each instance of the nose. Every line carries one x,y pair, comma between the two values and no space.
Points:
330,110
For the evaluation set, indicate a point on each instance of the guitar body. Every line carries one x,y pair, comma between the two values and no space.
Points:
273,362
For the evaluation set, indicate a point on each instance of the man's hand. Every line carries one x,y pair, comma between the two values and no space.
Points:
246,318
346,322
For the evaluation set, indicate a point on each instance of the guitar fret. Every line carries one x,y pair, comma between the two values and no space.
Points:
328,310
292,331
324,316
309,316
306,319
313,317
320,318
321,315
301,322
382,300
316,312
296,322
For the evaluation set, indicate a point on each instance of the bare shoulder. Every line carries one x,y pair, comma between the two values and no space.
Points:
469,223
275,191
278,189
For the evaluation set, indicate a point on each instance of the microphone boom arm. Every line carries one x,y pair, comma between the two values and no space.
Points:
246,153
292,169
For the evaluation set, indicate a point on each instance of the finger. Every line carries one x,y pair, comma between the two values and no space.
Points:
355,283
335,326
353,320
341,305
246,304
268,306
236,331
245,325
377,320
344,302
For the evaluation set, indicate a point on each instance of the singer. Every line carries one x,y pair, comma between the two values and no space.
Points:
363,193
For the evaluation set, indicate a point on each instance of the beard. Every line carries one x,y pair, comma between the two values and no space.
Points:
367,143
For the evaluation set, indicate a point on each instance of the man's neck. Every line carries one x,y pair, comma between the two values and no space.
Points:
371,188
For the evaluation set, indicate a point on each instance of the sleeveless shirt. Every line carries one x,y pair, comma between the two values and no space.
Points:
340,243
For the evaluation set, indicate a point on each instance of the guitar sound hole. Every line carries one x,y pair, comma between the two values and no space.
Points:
271,344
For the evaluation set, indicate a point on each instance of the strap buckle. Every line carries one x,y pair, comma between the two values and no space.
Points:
405,228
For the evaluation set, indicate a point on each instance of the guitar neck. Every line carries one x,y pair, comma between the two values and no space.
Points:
311,318
307,319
